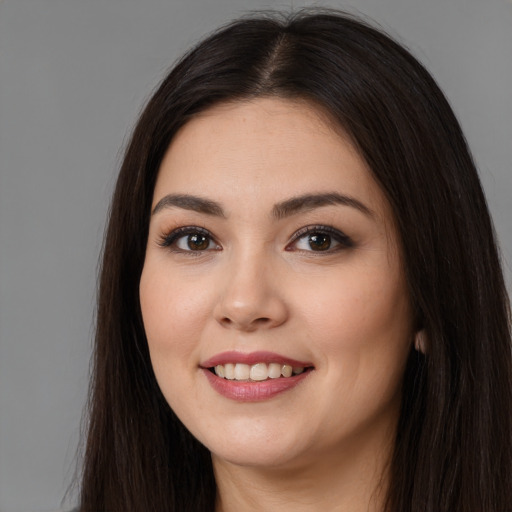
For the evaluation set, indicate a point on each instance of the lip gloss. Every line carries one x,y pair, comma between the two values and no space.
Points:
254,391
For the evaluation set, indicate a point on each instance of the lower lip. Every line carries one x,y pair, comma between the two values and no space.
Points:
253,391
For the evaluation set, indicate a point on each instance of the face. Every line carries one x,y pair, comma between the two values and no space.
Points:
272,294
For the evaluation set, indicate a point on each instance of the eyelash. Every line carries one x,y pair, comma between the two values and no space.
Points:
345,242
169,240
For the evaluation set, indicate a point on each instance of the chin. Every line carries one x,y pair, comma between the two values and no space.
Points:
260,445
256,456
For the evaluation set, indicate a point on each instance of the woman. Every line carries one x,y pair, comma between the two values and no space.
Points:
301,304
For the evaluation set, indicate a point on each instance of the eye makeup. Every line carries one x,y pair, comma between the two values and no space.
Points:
320,238
195,240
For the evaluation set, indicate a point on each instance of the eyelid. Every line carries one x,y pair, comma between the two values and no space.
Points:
166,240
340,237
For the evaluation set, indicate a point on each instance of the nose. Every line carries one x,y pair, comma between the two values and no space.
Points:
251,297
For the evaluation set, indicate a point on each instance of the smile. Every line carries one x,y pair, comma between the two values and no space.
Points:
257,372
254,377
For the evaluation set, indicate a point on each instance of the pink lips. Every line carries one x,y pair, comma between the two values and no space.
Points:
242,391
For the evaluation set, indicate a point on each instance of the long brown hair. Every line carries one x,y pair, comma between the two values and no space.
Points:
453,449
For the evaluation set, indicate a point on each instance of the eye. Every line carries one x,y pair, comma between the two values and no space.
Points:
189,239
319,239
194,242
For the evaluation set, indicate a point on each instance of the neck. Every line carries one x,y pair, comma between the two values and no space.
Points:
355,481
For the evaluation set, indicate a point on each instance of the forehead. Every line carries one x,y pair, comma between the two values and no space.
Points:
271,148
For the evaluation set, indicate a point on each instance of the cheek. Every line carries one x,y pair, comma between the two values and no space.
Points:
362,327
174,314
363,330
354,303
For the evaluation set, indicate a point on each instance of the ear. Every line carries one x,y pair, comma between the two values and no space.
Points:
420,341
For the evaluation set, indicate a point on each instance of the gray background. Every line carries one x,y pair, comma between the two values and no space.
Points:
73,76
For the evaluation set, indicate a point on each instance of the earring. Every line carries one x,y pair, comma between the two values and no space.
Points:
420,341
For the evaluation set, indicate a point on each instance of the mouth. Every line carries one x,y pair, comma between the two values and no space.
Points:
254,366
255,376
258,372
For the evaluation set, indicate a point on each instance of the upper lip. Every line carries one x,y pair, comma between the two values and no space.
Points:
252,358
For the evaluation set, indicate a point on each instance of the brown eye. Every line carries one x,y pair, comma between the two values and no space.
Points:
194,242
198,242
319,241
189,239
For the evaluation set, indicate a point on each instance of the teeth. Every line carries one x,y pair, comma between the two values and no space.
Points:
229,371
286,370
256,372
274,370
242,371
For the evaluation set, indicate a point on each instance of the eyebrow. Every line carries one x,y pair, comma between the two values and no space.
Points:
308,202
292,206
189,202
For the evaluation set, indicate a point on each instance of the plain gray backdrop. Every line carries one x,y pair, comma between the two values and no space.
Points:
73,76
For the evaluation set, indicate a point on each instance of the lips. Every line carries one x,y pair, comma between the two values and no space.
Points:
255,376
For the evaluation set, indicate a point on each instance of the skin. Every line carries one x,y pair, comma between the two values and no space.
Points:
324,444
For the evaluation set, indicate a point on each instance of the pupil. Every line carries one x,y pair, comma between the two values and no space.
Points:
197,242
319,242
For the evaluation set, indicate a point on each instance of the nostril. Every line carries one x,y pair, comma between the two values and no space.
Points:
247,325
261,321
